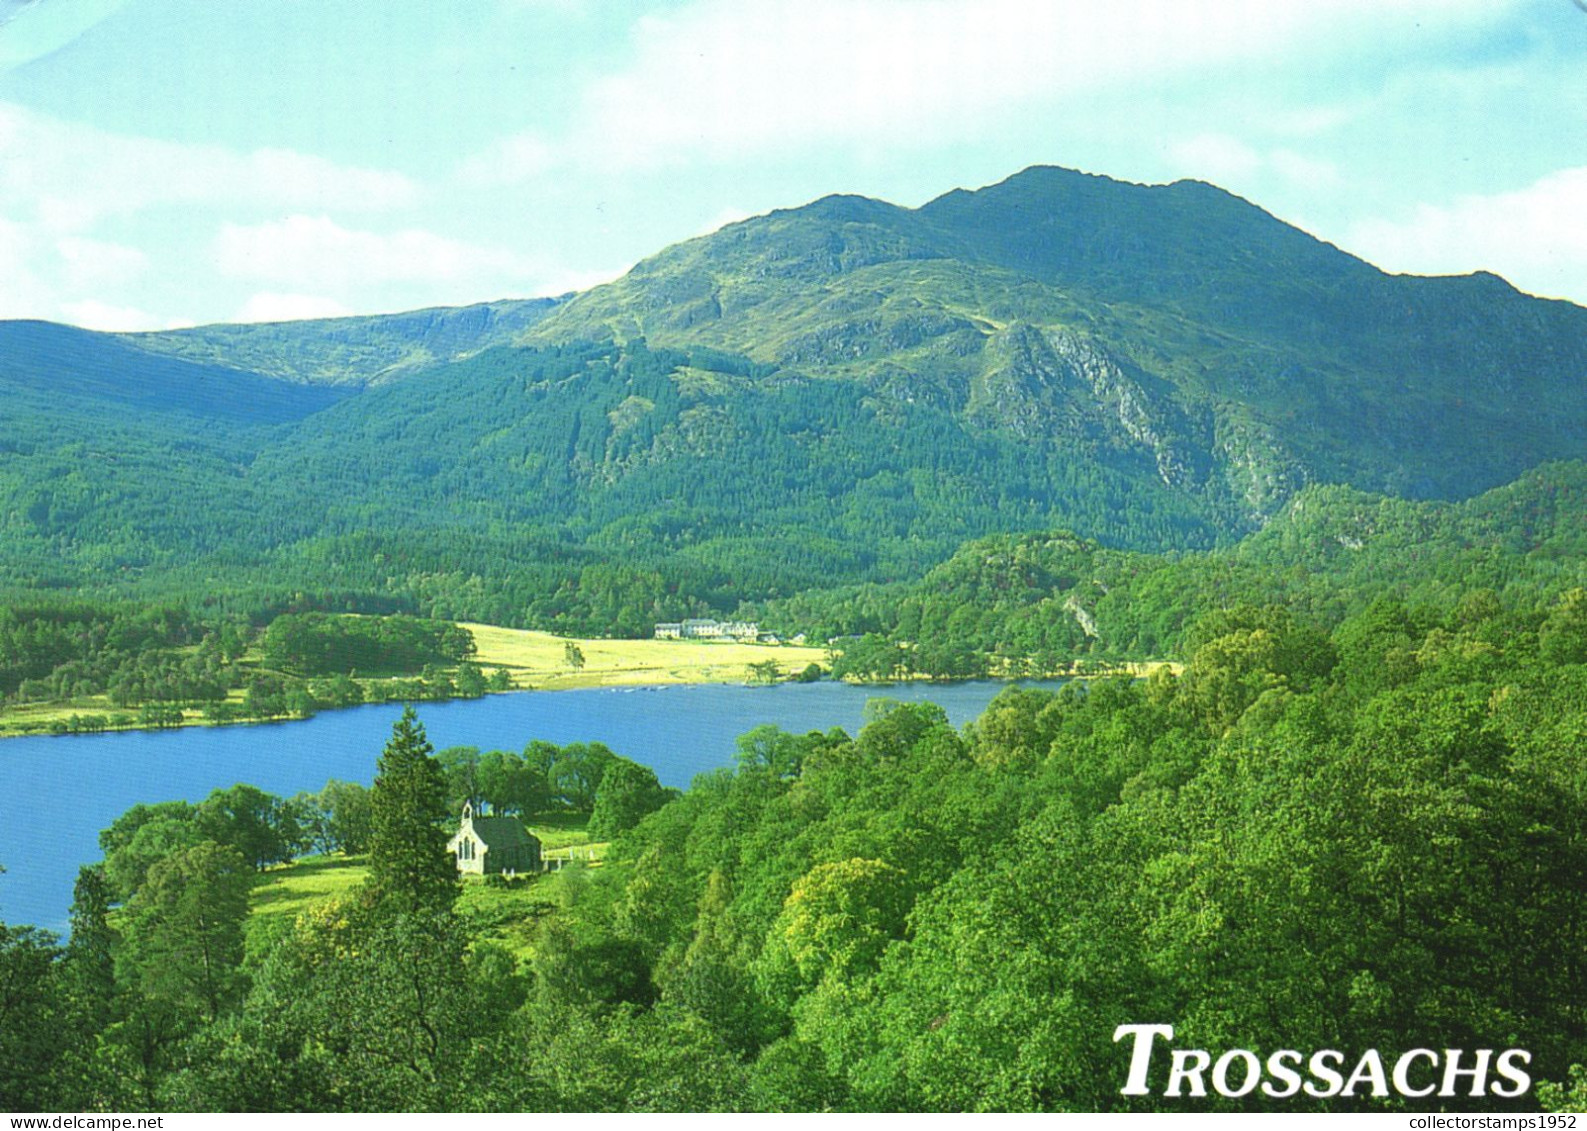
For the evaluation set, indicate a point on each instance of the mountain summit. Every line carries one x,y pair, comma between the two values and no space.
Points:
1207,327
840,391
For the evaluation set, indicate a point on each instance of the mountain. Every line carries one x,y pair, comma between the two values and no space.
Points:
356,351
1175,323
836,393
60,369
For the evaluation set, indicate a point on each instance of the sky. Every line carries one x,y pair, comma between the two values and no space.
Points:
173,162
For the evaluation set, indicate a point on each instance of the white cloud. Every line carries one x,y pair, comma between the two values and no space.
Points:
1305,172
302,180
1218,158
511,160
93,263
14,247
67,175
315,253
23,294
92,314
1309,121
269,306
1536,237
722,78
1232,163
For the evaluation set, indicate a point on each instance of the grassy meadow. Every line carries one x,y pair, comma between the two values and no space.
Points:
500,912
539,659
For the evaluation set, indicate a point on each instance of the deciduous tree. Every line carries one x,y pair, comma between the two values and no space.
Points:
184,929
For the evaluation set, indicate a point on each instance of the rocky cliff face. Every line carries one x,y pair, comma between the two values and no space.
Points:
1056,385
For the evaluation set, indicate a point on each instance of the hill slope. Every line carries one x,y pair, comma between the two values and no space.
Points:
46,368
1045,598
351,351
1240,356
836,393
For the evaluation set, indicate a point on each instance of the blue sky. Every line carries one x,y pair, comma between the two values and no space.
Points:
169,162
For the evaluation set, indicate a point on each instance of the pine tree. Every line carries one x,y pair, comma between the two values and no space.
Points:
410,869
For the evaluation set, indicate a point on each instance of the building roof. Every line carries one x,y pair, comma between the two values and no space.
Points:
503,832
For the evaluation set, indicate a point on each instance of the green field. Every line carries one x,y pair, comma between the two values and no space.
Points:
538,659
504,913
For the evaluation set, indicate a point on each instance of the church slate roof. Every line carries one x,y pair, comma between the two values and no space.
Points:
502,832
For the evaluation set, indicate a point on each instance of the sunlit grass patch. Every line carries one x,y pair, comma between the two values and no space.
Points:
291,888
540,659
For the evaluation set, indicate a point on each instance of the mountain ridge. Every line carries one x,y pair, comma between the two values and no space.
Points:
354,351
840,391
1278,335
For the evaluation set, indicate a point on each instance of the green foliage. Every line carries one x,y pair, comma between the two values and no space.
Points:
628,792
872,657
572,773
316,644
917,919
350,811
410,869
838,919
393,999
1034,604
127,865
764,671
184,929
30,1016
89,967
259,826
1563,637
133,654
510,785
1568,1097
460,768
772,750
1239,655
1306,840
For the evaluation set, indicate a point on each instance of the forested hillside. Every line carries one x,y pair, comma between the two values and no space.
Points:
1368,841
1027,604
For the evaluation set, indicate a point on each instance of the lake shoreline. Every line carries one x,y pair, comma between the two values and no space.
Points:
679,731
541,661
605,681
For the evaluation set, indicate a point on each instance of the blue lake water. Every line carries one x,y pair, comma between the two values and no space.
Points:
57,792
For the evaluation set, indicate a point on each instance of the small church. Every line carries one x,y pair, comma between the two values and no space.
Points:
493,846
